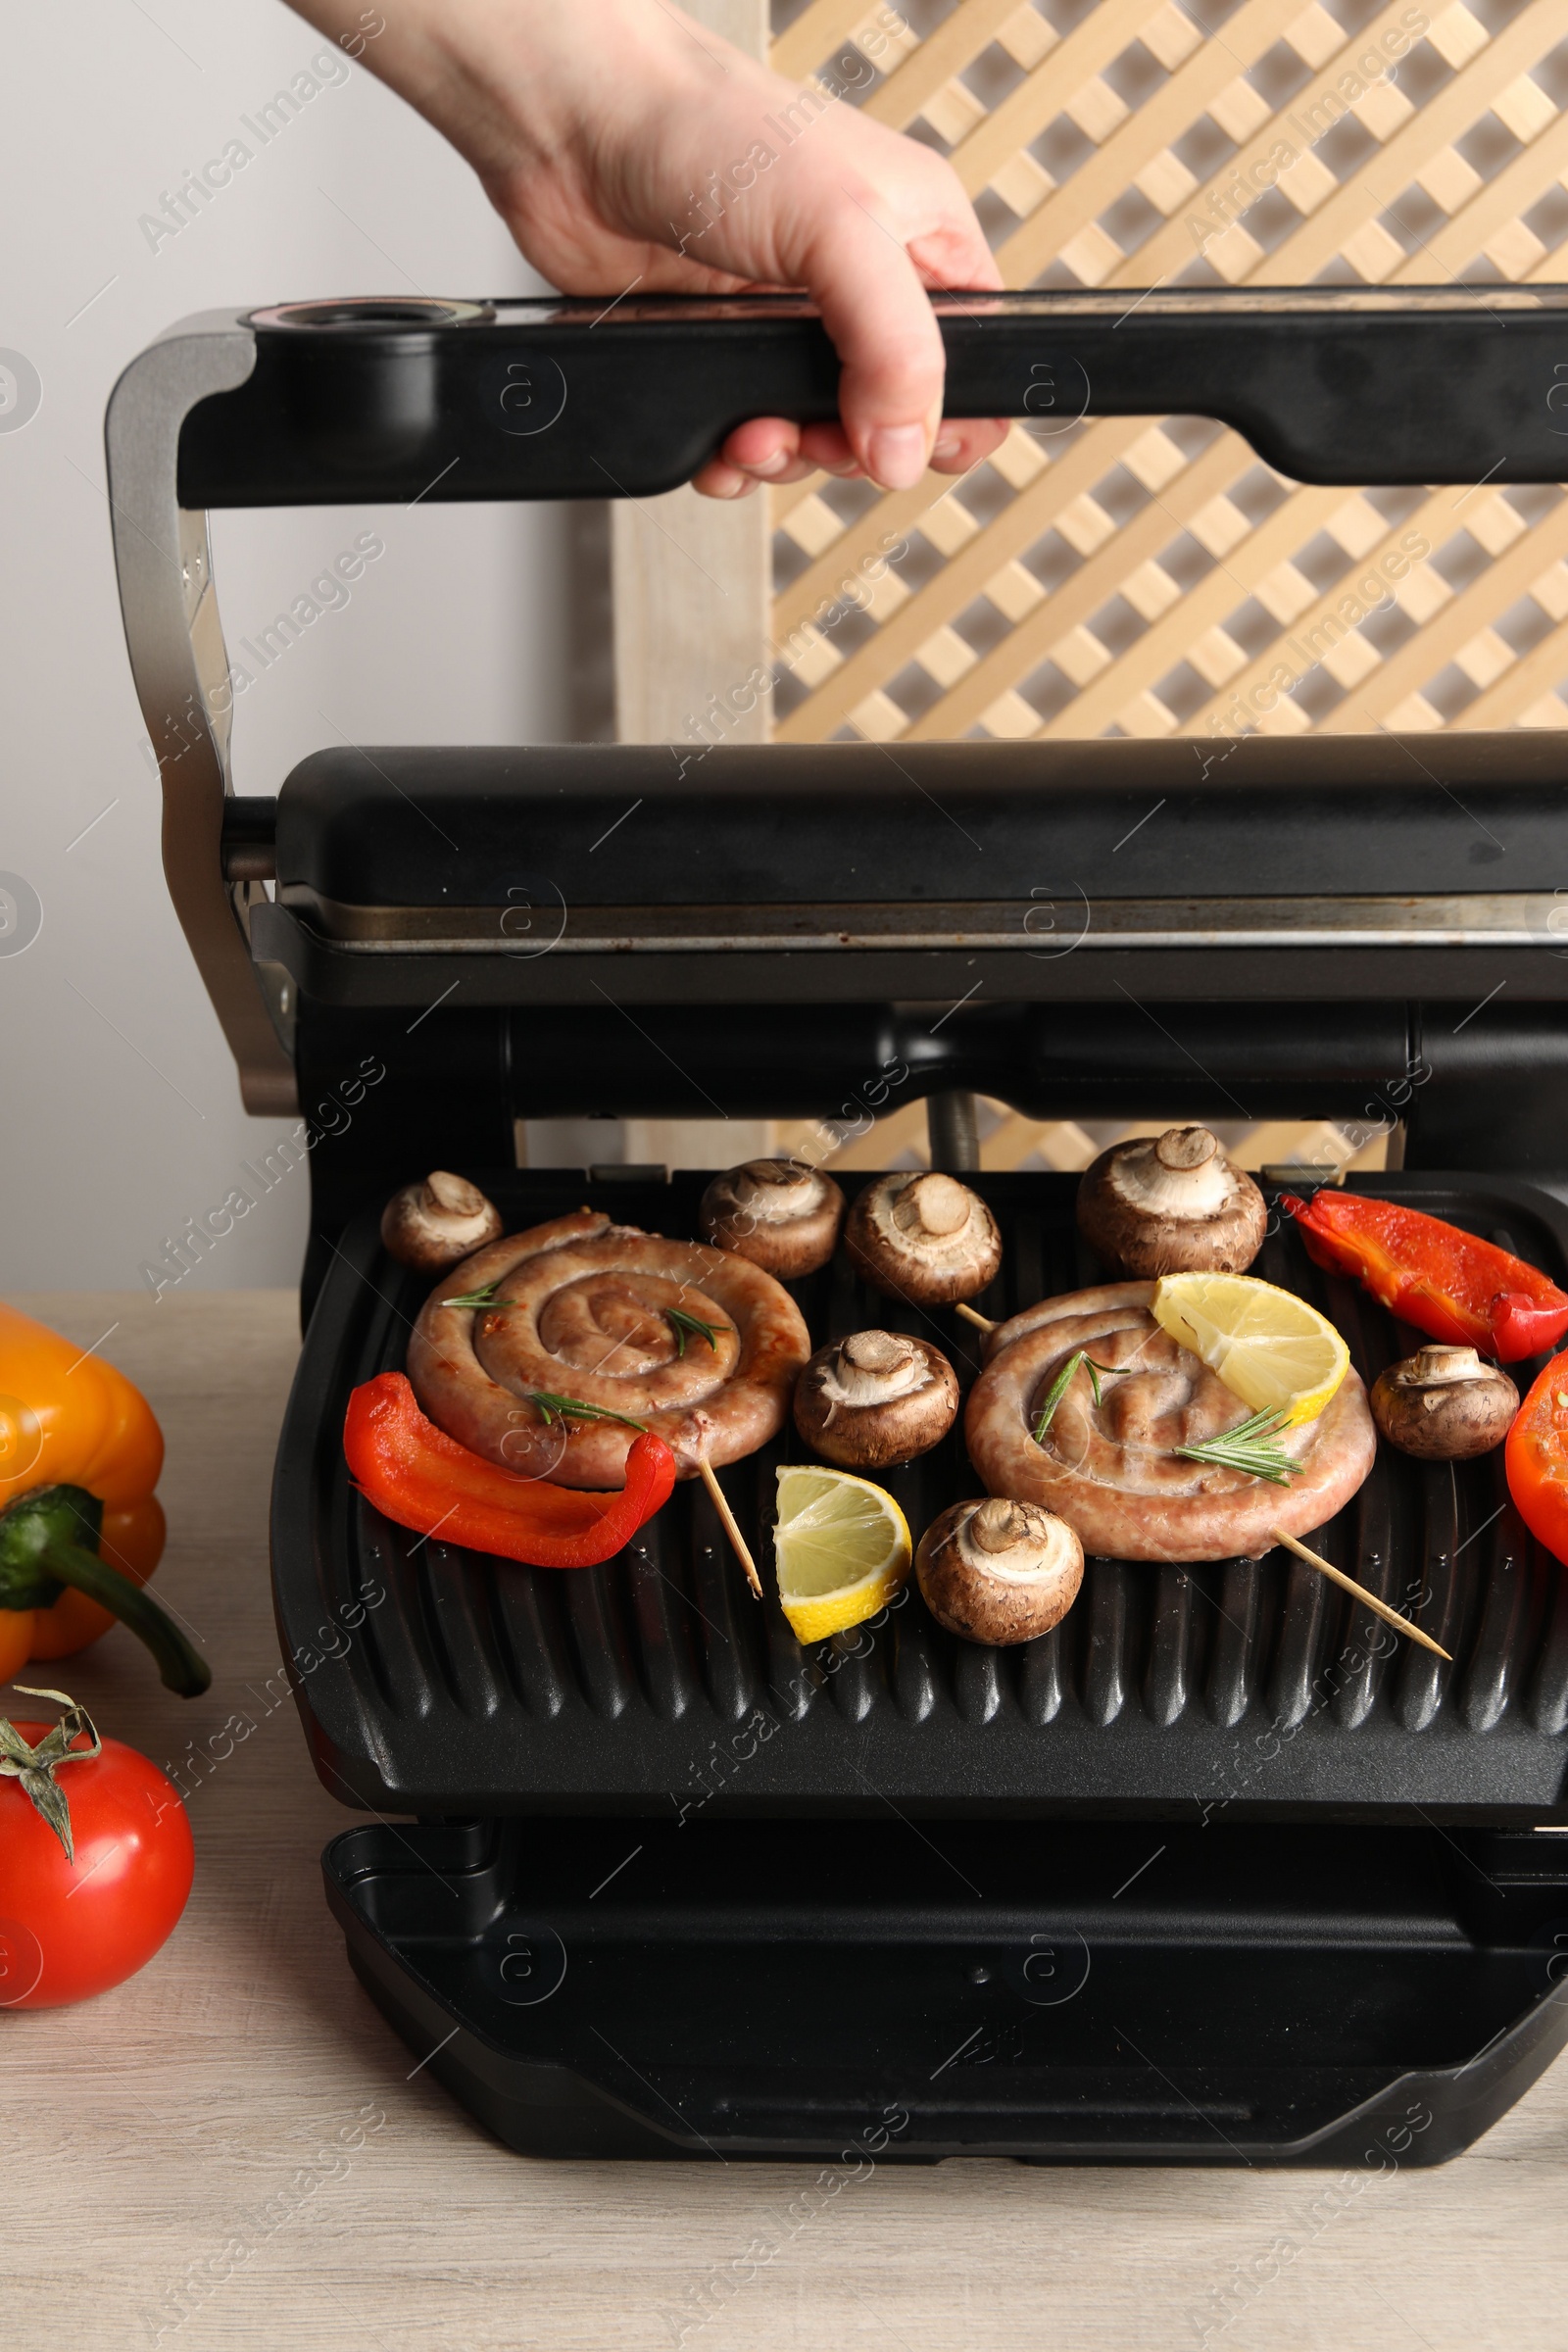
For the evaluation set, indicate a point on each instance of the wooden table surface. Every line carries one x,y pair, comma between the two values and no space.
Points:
229,2150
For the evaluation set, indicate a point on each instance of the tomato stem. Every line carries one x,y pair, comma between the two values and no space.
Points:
36,1767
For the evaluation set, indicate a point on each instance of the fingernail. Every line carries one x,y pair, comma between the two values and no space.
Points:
948,447
895,456
765,468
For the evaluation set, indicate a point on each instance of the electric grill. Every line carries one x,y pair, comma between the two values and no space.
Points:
1217,1872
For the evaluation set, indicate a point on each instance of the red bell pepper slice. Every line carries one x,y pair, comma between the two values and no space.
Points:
1464,1291
419,1476
1536,1457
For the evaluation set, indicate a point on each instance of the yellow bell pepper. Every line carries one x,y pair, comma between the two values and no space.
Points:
75,1435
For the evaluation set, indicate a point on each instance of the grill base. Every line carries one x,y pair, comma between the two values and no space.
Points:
1210,1876
857,1993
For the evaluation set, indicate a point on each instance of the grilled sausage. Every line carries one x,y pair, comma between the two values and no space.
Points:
582,1309
1109,1469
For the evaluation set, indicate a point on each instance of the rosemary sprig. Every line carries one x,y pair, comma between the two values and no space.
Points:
572,1408
486,1298
1059,1387
1249,1447
684,1325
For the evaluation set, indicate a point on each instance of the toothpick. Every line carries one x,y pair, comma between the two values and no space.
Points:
1379,1608
980,1322
738,1540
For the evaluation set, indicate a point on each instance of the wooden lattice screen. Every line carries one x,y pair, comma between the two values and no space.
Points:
1138,576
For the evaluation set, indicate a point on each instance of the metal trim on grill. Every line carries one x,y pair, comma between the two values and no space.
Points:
1036,925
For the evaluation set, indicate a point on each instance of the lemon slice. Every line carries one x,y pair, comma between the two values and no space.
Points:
1268,1346
842,1546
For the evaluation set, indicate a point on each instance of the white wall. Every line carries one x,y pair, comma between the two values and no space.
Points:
120,1112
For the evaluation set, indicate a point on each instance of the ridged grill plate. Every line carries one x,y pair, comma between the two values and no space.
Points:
439,1681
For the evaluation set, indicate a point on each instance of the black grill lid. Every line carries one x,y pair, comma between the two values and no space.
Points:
462,1685
697,824
1355,870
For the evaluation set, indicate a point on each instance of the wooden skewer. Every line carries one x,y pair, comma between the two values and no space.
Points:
1350,1585
742,1550
971,1315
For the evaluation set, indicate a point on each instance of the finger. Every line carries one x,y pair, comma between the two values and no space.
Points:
764,447
752,455
955,254
799,470
716,479
770,449
826,447
965,442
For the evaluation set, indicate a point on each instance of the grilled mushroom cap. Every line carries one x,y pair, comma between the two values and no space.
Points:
781,1213
999,1571
927,1238
1444,1405
432,1225
876,1398
1171,1204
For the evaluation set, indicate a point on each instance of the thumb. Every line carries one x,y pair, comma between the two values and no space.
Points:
879,315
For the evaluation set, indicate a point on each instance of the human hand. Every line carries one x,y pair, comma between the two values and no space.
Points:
631,151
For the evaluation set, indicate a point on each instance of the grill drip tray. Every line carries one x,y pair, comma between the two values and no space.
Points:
866,1991
436,1681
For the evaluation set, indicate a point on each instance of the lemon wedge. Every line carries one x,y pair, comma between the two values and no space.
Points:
841,1547
1268,1346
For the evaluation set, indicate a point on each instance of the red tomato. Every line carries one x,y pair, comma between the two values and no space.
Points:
1537,1459
71,1929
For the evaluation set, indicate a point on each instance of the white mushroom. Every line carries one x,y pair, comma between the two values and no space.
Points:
429,1226
1444,1405
926,1239
1171,1204
781,1213
998,1571
876,1398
